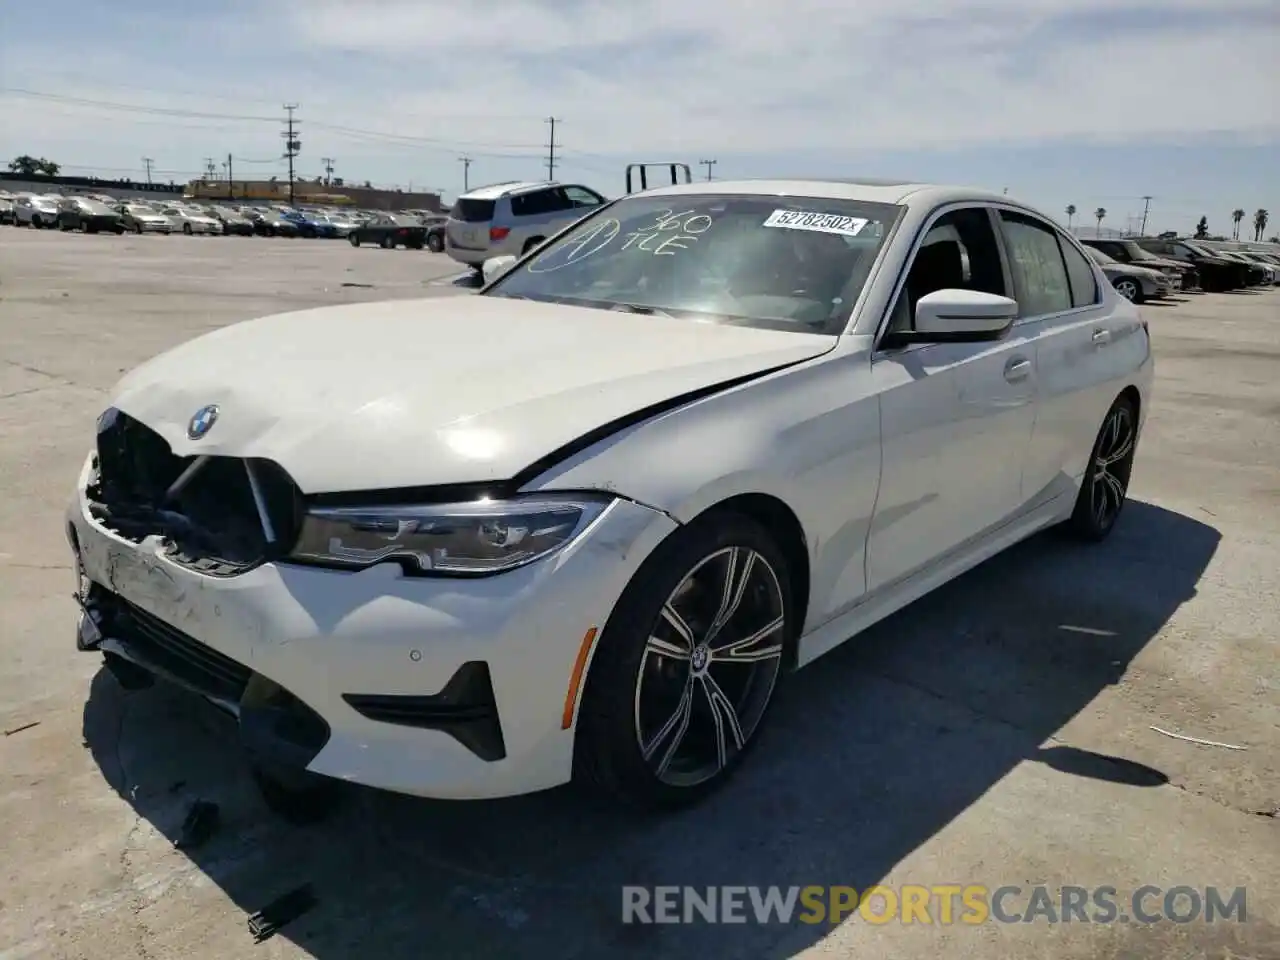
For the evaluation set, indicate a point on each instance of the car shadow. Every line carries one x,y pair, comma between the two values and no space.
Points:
870,753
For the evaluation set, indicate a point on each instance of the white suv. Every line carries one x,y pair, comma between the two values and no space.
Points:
512,218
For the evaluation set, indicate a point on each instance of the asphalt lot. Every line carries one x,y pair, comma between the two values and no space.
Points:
998,732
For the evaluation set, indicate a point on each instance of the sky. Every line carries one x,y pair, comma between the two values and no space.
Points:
1095,103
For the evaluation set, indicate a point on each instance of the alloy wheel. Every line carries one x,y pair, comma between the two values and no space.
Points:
1127,289
1112,465
709,666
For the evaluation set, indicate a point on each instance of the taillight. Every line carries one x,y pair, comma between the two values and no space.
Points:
498,233
403,232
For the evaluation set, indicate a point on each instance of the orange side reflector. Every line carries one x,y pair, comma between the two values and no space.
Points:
575,679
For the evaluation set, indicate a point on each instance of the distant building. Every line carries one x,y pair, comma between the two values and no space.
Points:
308,191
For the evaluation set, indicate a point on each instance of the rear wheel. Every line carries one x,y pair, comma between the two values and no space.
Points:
388,243
186,228
353,239
435,243
687,666
1106,481
530,244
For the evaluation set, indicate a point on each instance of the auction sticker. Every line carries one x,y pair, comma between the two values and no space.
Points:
819,222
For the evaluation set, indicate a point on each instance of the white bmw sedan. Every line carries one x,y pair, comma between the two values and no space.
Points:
581,525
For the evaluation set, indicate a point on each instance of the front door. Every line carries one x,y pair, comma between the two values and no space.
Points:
956,419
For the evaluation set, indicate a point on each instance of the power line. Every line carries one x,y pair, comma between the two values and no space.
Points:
708,164
551,150
292,145
466,172
210,169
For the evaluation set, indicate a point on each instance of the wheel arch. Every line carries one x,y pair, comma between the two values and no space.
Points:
781,523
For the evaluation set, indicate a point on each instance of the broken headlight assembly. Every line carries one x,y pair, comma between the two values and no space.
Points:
458,539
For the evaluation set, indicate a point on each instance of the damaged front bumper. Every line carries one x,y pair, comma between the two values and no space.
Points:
438,688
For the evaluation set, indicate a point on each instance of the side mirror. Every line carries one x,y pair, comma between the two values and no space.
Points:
958,316
495,267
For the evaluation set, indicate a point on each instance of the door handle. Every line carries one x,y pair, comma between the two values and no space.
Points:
1018,368
1101,336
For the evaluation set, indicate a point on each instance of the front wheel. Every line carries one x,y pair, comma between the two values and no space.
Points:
1130,289
186,228
353,240
435,243
686,669
1106,481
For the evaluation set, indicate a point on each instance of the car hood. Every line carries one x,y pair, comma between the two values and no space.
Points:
450,390
1131,270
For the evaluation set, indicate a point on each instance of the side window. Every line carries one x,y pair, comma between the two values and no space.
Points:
551,200
1084,284
958,252
1039,272
582,197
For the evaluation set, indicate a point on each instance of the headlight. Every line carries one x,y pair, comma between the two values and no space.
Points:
482,537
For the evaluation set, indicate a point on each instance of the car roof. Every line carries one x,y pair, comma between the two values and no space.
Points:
495,190
868,189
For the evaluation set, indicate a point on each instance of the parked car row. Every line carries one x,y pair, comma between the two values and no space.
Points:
93,213
1144,268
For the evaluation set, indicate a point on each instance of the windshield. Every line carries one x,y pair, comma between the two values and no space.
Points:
783,263
1196,248
1136,252
143,210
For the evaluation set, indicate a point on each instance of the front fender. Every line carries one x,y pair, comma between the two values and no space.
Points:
808,436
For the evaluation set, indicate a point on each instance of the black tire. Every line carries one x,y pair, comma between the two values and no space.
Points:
687,758
137,228
1104,491
353,239
388,243
530,244
435,243
1129,288
35,221
118,231
186,228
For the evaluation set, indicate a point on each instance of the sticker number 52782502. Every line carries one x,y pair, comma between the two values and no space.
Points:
820,222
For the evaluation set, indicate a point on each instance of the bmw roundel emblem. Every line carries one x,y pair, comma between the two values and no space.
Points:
202,422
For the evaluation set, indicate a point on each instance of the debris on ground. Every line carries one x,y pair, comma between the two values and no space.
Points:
1206,743
25,726
201,824
366,286
280,911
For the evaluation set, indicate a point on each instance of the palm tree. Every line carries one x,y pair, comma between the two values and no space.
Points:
1071,212
1260,218
1100,214
1236,216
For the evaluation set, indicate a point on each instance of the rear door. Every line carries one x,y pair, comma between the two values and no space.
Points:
1059,291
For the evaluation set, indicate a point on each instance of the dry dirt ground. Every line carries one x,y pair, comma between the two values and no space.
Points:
996,733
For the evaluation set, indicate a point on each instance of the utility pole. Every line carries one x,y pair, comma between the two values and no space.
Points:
231,180
292,145
1146,208
148,161
708,164
551,150
328,170
210,169
466,172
